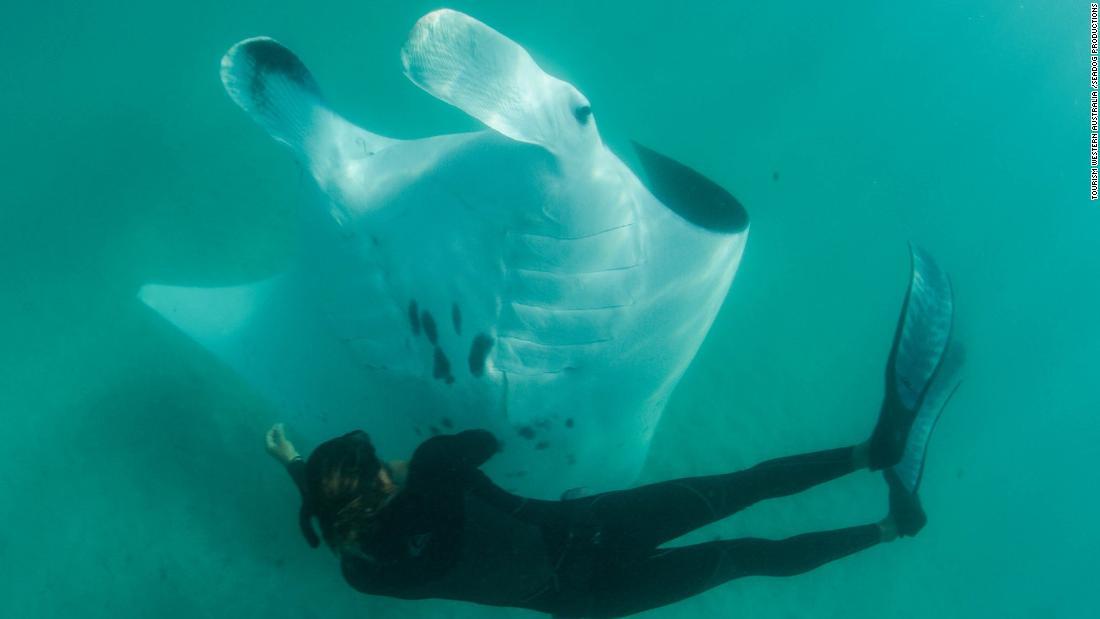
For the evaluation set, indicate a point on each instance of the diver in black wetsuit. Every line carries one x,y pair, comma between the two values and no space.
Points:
440,528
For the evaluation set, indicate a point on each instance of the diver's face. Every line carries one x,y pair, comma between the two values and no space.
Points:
381,488
372,495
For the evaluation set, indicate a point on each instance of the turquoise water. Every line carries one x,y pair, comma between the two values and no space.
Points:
136,484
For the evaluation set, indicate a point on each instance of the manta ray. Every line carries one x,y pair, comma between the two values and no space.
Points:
520,278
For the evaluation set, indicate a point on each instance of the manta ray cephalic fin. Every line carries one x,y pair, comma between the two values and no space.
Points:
460,60
278,91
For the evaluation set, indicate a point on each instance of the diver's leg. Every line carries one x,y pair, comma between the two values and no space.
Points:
669,575
645,517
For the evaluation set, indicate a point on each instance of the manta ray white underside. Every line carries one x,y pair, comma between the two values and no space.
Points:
519,279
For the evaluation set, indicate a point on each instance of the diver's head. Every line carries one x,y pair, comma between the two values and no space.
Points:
346,485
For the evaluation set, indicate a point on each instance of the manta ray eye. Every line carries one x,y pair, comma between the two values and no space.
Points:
583,113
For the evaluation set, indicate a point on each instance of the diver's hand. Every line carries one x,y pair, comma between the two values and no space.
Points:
277,445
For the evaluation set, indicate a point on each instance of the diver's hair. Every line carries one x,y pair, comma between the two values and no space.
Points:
343,491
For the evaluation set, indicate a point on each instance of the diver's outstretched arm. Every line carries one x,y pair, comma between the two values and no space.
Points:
278,445
280,448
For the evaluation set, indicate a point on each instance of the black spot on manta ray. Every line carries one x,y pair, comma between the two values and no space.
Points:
442,366
414,317
582,113
542,445
526,432
569,422
456,318
428,323
479,352
447,423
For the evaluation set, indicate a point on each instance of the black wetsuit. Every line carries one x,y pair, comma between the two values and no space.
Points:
452,533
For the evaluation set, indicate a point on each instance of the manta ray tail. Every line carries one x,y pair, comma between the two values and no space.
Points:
270,83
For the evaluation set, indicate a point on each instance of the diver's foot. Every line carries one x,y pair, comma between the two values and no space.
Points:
906,517
887,444
921,338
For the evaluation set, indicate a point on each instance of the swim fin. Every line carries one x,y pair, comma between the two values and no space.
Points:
920,341
904,477
910,468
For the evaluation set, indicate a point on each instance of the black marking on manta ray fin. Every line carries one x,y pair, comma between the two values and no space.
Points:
428,323
414,317
479,352
456,318
269,57
691,195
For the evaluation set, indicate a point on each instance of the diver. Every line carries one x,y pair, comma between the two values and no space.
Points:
438,527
